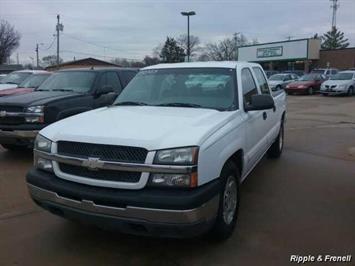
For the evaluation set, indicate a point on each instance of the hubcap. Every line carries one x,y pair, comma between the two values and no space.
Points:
229,200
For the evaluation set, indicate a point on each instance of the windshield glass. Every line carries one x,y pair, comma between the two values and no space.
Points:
34,81
15,78
310,77
342,76
194,87
277,77
77,81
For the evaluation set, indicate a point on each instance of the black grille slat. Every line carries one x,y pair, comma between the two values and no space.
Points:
11,108
11,120
103,152
101,174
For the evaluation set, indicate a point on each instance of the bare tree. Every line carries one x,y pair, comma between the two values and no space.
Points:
9,40
194,43
223,50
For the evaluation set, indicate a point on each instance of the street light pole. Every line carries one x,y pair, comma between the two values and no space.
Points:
188,14
59,27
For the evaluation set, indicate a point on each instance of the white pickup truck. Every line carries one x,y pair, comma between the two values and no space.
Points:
168,157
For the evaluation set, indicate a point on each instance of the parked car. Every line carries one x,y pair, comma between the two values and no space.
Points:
269,73
13,79
63,94
279,81
28,85
325,71
341,83
168,157
2,76
307,84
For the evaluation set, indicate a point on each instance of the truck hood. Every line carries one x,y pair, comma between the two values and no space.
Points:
36,98
140,126
7,86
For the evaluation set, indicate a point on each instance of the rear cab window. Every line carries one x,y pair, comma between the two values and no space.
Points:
263,85
248,85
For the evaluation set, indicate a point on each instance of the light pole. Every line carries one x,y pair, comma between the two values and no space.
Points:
188,14
59,27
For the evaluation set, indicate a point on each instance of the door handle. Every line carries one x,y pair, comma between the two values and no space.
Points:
264,115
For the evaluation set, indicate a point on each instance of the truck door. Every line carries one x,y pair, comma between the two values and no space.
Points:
256,139
108,89
270,119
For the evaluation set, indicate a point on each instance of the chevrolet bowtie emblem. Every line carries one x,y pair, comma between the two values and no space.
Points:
92,163
2,113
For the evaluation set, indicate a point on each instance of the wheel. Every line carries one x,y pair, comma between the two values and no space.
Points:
351,91
310,91
276,148
12,147
228,203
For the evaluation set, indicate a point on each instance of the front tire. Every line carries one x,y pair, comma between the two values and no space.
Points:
350,91
276,148
310,91
228,203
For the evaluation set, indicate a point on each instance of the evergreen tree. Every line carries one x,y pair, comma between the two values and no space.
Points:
172,52
334,39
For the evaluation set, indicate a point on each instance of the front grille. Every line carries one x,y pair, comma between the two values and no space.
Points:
11,120
102,151
101,174
11,108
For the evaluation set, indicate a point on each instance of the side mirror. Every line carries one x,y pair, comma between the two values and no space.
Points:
260,102
104,90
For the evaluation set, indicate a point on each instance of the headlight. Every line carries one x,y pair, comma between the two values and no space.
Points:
35,109
287,86
180,156
35,114
173,180
43,144
301,87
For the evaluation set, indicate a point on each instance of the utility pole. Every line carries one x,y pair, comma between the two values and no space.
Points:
235,35
59,27
335,7
37,56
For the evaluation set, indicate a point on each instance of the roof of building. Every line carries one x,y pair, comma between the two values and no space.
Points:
84,61
209,64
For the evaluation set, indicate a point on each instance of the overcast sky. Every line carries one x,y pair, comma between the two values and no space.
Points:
131,29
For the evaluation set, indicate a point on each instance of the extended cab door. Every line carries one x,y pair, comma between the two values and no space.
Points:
109,87
270,123
256,131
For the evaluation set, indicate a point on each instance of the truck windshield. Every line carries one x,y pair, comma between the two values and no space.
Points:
212,88
77,81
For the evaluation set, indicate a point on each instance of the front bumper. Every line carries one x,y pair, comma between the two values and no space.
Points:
148,211
333,92
19,134
296,90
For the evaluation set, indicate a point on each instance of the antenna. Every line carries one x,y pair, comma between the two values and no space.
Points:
335,7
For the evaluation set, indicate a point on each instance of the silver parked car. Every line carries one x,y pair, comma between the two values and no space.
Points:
341,83
280,81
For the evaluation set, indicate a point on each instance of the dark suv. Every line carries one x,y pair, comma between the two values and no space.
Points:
63,94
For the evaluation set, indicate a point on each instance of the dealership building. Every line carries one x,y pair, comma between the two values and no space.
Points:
300,54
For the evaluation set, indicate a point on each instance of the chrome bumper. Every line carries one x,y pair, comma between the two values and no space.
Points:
23,134
205,212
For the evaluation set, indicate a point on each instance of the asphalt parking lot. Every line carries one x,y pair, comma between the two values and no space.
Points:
303,203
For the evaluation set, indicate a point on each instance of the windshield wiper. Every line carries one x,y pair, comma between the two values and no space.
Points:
62,90
130,103
181,105
40,90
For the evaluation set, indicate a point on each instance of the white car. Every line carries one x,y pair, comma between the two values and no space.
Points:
168,157
13,79
341,83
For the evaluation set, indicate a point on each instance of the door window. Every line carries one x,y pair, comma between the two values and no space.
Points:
264,87
249,86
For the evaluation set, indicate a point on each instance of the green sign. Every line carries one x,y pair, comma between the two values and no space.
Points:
269,52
